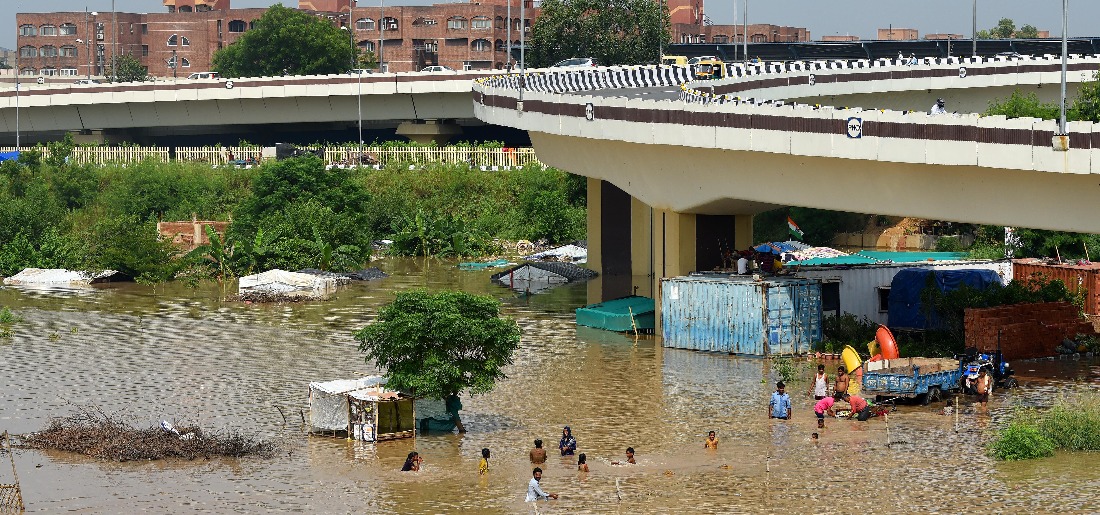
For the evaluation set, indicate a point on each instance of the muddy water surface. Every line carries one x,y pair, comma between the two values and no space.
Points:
178,353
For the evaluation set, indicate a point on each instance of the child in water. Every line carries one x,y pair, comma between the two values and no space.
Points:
582,463
711,442
483,465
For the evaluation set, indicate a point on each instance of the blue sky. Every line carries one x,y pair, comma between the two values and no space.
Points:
822,17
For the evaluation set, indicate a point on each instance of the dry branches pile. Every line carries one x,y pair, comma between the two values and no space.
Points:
95,434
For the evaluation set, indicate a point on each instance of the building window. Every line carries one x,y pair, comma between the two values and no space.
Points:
883,299
366,46
364,24
174,40
68,29
759,38
481,45
68,51
389,23
185,9
144,28
184,63
500,23
456,23
237,26
251,24
50,72
500,44
48,51
145,50
423,22
28,51
721,40
186,42
48,30
28,30
68,72
481,22
28,71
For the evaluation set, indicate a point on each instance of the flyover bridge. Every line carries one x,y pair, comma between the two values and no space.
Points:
430,106
676,172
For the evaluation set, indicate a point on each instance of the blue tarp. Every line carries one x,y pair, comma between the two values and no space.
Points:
779,247
9,156
906,311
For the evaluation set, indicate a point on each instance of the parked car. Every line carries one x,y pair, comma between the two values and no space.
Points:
1010,55
437,69
203,75
360,71
697,60
87,81
576,62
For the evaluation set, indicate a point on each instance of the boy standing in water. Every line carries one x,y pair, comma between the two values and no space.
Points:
711,442
780,405
820,385
985,384
483,465
841,382
538,454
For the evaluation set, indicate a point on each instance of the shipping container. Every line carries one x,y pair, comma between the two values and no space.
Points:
864,290
741,315
1085,276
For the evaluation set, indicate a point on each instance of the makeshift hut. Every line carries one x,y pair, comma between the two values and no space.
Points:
61,277
538,276
280,284
361,409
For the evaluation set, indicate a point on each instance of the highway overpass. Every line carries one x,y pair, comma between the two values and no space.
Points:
677,172
427,104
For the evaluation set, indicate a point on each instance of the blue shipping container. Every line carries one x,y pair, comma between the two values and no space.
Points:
739,315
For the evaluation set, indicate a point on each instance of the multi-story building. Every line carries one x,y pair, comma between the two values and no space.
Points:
723,34
473,35
898,34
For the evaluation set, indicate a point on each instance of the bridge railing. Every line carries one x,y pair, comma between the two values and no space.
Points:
344,155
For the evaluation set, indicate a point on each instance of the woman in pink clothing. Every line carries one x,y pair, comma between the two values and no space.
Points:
822,407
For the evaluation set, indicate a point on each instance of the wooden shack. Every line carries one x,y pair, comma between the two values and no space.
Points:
360,409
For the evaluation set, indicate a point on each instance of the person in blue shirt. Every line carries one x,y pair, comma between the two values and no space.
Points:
780,405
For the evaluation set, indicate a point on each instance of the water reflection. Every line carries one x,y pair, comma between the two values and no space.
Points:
181,354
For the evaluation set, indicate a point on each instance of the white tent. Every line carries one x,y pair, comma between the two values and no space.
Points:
361,408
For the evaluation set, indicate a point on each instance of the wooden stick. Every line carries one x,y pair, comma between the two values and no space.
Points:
281,414
957,413
632,324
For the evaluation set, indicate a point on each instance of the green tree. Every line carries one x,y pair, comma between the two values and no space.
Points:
984,34
438,345
612,32
1086,106
1005,29
1021,105
367,60
286,41
1027,32
127,68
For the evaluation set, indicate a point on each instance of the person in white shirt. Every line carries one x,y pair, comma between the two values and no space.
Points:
742,265
534,491
939,108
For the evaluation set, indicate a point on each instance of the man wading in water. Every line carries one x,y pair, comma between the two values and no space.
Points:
820,385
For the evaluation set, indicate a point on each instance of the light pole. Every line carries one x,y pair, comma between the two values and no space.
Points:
351,38
382,36
508,40
175,63
746,31
1065,54
974,30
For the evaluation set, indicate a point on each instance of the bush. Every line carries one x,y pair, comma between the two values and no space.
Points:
1020,441
1073,423
846,329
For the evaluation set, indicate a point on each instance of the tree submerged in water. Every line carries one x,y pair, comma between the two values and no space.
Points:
435,346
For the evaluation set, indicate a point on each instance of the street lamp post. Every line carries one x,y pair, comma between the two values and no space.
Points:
382,36
1065,54
175,63
508,39
746,57
974,30
87,48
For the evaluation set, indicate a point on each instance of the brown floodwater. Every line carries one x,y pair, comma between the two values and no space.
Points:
178,353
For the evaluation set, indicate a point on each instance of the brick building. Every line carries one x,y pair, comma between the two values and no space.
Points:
183,39
898,34
722,34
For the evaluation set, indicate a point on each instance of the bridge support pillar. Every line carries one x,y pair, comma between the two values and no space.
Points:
429,131
633,246
89,137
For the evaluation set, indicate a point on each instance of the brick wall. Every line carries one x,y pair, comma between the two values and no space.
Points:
189,235
1026,330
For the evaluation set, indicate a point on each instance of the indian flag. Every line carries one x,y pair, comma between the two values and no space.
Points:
793,228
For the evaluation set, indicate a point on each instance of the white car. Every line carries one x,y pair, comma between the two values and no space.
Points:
437,69
203,75
695,60
576,62
87,81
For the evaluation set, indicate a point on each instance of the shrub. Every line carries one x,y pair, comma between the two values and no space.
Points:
1020,441
1073,423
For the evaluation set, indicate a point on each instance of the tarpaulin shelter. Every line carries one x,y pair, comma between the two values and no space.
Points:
907,310
9,156
362,409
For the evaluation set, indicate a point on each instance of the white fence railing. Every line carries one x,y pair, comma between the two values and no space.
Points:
346,155
102,155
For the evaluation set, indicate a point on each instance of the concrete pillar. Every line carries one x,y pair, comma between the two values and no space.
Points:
89,137
429,131
641,248
742,232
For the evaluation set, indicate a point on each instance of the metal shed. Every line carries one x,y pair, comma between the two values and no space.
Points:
362,409
741,315
864,290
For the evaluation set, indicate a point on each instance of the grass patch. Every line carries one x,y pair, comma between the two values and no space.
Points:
1072,424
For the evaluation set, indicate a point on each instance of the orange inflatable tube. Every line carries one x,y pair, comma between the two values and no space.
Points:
888,346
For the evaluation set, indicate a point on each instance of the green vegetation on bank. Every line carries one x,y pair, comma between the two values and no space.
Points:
1071,424
1084,107
290,214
